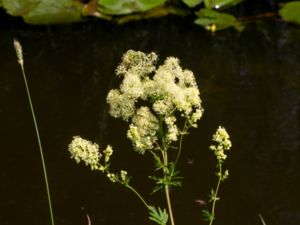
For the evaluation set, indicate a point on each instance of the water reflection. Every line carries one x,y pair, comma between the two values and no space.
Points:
249,83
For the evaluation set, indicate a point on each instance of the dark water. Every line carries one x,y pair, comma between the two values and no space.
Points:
249,82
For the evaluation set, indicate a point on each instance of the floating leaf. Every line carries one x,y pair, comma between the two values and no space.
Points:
291,12
192,3
217,4
44,11
213,20
117,7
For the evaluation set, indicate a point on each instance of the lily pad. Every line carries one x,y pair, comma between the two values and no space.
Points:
213,20
291,12
123,7
44,11
218,4
192,3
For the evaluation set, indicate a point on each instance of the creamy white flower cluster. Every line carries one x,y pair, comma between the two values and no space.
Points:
89,153
223,143
86,151
142,130
168,88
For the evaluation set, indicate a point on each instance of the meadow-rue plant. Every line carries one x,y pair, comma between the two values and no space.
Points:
223,143
160,104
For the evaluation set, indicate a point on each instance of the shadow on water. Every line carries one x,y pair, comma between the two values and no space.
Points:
249,83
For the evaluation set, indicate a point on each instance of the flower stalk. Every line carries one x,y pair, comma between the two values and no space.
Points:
20,59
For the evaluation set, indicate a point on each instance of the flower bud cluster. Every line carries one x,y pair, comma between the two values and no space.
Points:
223,143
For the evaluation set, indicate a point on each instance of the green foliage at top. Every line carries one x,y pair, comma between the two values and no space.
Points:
44,11
213,20
209,13
192,3
291,12
217,4
117,7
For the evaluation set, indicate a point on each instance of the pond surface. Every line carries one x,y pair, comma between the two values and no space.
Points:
249,83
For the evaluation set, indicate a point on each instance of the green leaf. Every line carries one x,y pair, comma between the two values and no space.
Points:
207,216
291,12
117,7
192,3
218,4
44,11
220,21
158,215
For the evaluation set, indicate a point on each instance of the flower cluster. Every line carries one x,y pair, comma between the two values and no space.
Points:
143,130
86,151
89,153
223,143
168,88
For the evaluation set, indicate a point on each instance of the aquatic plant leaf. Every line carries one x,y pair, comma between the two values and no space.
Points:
220,21
217,4
44,11
192,3
117,7
19,7
291,12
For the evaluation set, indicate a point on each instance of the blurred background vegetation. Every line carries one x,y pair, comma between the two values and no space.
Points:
213,15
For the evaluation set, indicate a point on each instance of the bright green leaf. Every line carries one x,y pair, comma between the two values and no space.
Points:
209,18
158,215
218,4
19,7
117,7
192,3
291,12
44,11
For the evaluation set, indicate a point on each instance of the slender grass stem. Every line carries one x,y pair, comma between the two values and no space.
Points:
21,62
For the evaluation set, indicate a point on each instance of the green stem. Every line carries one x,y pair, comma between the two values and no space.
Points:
180,140
215,197
39,143
167,191
138,195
